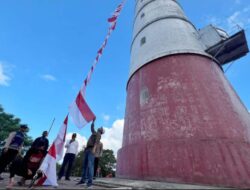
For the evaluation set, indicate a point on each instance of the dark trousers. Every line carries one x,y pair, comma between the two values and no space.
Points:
68,160
6,158
17,168
96,166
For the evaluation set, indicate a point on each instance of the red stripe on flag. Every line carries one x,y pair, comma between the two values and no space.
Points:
112,19
100,50
66,120
52,151
84,108
41,181
65,123
97,58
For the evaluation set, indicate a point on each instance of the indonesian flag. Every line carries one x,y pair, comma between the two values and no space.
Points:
54,154
80,112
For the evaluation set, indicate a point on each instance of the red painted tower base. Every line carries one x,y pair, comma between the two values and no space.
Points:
184,123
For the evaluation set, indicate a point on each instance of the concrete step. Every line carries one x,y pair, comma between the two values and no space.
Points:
108,183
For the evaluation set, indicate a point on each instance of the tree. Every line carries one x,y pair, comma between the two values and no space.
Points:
78,164
107,163
8,124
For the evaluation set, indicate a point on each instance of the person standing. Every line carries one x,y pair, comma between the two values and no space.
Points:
98,154
72,150
12,147
41,142
89,155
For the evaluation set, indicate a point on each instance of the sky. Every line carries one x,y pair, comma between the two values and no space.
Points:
47,47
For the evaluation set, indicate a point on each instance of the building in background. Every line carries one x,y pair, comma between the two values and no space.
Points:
184,122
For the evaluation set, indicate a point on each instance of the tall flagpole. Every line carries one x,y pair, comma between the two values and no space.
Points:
51,125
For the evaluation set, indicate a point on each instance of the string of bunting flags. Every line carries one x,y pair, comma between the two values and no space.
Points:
79,110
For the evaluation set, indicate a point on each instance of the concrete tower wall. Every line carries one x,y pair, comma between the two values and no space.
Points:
184,122
159,33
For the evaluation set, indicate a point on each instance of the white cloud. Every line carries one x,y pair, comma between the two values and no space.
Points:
106,117
48,77
237,20
4,78
112,139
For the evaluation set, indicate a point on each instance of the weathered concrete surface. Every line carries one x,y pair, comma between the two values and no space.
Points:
65,185
185,124
138,184
109,183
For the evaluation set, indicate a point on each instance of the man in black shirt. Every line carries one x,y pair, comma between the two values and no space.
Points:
41,142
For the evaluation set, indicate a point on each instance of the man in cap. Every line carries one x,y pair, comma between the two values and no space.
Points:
89,155
12,147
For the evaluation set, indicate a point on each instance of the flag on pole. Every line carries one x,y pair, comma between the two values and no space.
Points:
80,112
48,166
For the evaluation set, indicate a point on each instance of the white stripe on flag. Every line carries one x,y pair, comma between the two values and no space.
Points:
76,116
49,170
80,112
48,166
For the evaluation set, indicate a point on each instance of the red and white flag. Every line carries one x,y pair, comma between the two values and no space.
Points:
80,112
48,167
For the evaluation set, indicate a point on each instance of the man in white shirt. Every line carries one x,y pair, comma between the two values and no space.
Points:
72,150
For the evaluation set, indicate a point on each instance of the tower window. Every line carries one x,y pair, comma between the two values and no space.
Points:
143,40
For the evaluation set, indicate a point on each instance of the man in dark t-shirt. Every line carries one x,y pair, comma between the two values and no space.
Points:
41,142
89,155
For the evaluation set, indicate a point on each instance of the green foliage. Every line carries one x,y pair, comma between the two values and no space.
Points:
8,124
107,163
77,166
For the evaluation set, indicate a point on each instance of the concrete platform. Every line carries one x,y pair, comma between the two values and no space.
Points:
110,183
137,184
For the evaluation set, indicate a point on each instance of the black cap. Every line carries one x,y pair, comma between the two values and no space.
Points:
24,126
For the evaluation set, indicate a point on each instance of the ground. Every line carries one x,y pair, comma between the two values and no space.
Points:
109,183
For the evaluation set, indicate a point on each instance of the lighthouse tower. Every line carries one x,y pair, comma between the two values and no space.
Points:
184,122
